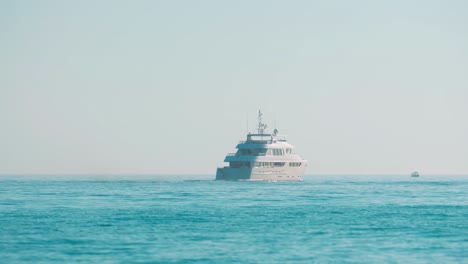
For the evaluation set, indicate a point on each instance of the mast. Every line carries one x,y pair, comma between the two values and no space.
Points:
261,126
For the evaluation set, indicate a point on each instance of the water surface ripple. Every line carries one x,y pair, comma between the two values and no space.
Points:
177,219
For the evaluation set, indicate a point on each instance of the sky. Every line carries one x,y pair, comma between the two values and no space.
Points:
170,87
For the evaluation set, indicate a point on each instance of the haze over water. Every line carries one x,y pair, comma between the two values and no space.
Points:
169,87
179,219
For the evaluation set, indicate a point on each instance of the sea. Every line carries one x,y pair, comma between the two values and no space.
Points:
194,219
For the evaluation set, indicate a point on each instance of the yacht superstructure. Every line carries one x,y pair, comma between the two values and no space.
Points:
263,157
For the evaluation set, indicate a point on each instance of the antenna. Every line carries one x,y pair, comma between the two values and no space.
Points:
275,121
259,122
247,120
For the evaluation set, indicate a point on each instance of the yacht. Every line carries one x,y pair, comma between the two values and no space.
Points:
415,174
263,157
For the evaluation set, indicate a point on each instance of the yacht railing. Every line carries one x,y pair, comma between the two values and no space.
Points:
251,154
262,142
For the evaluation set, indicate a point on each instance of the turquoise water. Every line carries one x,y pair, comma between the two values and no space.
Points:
190,219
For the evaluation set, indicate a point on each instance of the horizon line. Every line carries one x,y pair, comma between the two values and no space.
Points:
202,174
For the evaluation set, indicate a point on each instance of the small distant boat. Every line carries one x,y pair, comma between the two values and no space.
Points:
415,174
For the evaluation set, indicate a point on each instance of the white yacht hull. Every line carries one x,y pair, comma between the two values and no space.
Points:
261,174
263,157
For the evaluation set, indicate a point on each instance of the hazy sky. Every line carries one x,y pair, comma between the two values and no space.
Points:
157,87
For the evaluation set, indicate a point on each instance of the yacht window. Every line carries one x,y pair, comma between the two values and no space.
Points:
253,152
263,164
295,164
261,152
239,164
278,152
